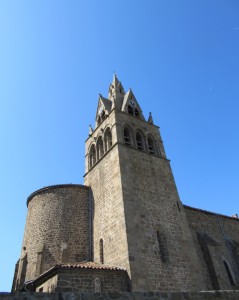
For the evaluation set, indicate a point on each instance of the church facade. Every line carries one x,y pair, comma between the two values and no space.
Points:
125,229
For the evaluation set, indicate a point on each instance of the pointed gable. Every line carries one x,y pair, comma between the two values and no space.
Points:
131,105
103,109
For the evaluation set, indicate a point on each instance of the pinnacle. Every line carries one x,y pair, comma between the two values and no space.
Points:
150,119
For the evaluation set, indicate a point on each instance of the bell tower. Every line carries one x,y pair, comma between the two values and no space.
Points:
138,220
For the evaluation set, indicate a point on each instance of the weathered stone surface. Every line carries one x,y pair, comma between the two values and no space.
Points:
57,229
220,236
136,212
85,280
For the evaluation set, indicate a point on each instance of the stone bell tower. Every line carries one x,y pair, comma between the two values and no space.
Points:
138,220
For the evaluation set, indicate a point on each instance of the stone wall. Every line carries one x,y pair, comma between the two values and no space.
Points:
85,280
109,232
57,230
215,295
216,240
139,221
161,252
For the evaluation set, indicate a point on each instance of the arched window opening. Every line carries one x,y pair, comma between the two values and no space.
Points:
127,137
136,112
98,121
139,140
100,148
130,110
108,139
92,156
229,274
151,146
101,251
103,116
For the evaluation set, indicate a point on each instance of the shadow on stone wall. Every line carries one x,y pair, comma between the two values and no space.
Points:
209,295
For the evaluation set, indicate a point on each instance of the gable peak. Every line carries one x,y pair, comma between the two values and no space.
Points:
131,105
103,109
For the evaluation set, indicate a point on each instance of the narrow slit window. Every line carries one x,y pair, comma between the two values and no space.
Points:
178,206
101,251
162,246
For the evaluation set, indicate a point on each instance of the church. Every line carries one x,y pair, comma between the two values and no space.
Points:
125,229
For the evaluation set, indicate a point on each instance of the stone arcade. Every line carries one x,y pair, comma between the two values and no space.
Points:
126,229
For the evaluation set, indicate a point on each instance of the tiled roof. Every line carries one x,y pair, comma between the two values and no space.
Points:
88,265
84,265
107,103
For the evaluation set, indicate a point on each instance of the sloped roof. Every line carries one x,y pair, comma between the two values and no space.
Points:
77,266
88,265
107,103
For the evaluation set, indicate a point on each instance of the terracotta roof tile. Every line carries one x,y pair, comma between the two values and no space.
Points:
83,265
88,265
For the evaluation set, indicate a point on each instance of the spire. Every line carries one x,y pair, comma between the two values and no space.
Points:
116,92
150,119
115,81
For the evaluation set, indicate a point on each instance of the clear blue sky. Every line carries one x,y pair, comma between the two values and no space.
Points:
181,59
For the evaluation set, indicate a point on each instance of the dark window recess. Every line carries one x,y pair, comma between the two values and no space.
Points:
92,158
108,139
229,274
100,148
203,240
139,141
162,246
101,118
127,137
41,290
130,110
151,146
101,251
136,112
